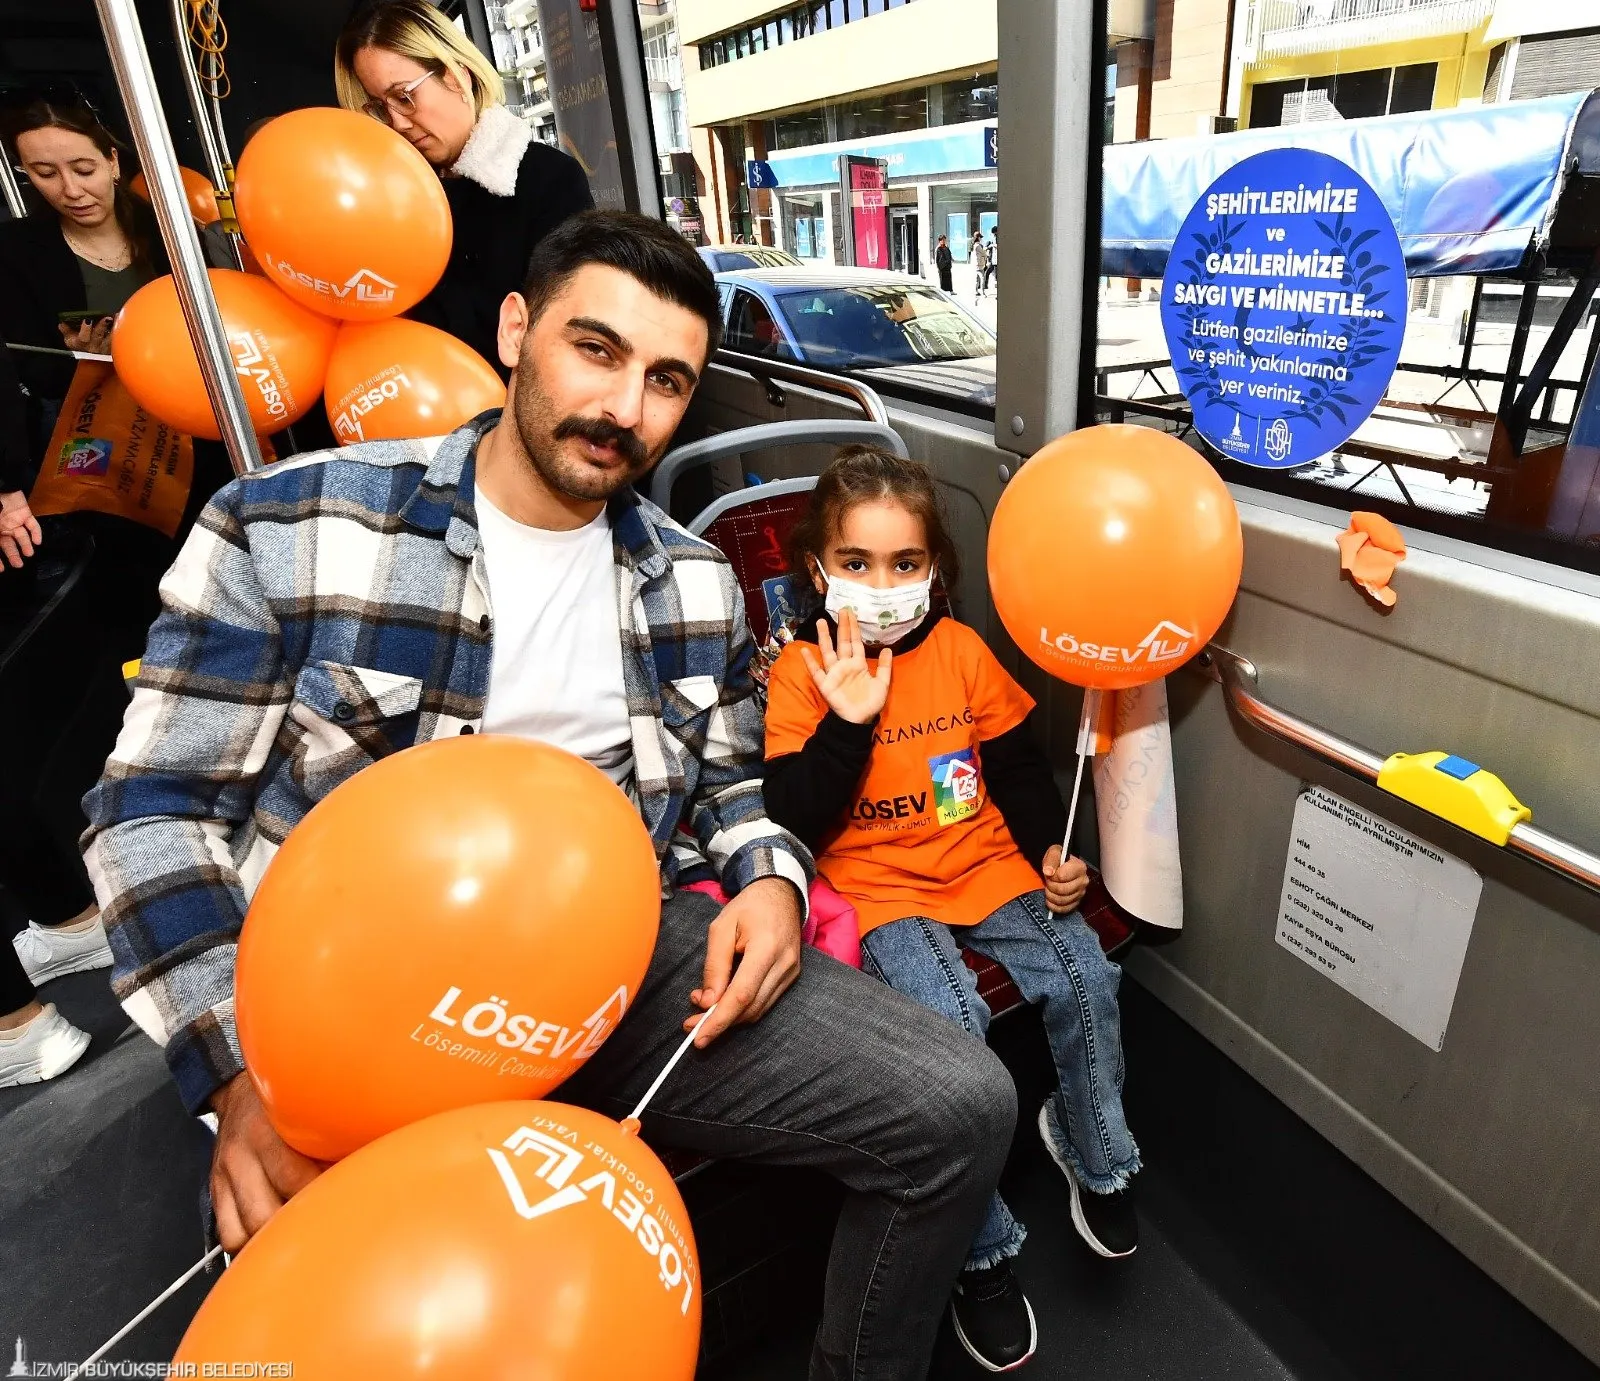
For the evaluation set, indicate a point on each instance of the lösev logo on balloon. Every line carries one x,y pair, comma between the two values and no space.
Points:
365,286
376,392
490,1028
250,361
555,1159
1166,642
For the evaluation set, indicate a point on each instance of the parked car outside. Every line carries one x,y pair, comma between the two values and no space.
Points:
725,258
887,325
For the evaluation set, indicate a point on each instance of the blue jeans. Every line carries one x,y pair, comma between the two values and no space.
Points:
1057,962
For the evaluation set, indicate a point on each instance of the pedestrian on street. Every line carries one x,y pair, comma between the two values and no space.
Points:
979,255
945,262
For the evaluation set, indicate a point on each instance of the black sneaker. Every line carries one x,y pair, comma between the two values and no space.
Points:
993,1318
1105,1221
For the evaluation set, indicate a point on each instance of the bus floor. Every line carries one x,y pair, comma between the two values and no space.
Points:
1264,1252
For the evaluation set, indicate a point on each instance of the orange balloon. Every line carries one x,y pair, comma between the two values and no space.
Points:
463,921
1114,555
400,379
345,216
508,1240
202,195
280,352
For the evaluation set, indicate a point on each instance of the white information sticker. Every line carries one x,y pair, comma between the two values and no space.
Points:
1385,915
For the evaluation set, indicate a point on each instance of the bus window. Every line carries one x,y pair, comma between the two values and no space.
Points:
1495,279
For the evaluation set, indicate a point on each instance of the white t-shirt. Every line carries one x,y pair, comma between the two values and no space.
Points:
556,671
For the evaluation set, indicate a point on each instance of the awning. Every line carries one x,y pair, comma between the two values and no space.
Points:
1470,190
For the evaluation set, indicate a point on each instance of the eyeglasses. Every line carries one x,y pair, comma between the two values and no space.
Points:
399,101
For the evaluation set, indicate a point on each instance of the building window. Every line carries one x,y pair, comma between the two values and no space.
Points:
805,232
1344,96
922,107
801,22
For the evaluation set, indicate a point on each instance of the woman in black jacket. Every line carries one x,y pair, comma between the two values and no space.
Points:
403,63
88,252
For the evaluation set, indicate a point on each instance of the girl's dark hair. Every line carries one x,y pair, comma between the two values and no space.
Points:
77,119
864,474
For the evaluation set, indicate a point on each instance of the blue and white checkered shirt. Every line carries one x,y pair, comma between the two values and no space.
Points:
332,609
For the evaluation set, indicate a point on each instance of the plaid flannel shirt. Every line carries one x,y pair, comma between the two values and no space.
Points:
332,609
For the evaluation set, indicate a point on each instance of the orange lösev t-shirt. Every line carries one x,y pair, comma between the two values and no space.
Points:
922,837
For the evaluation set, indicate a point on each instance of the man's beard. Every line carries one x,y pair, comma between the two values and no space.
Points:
541,436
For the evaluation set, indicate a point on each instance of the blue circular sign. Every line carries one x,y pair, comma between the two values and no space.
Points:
1284,307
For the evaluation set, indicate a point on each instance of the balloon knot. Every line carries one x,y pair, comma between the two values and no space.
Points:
630,1126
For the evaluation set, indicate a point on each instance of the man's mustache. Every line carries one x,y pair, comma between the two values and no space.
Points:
602,433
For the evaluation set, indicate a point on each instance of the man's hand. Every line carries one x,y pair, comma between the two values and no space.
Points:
760,930
1064,883
253,1170
19,529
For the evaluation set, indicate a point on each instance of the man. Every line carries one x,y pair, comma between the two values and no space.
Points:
351,603
991,273
945,263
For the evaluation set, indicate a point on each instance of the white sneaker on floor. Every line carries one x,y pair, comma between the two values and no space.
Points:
48,953
47,1046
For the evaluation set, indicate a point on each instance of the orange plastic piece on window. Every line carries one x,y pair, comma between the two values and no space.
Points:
1370,549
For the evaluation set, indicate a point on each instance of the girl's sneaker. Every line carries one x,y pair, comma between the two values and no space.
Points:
47,1046
1105,1221
993,1318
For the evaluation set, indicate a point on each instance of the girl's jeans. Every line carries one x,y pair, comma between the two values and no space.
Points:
1057,962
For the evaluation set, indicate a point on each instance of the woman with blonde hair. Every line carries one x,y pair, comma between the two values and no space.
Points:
406,64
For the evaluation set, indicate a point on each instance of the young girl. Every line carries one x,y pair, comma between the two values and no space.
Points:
899,750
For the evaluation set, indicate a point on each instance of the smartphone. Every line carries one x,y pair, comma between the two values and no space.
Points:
76,317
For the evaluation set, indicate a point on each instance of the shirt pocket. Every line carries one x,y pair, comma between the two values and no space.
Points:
688,697
686,706
347,717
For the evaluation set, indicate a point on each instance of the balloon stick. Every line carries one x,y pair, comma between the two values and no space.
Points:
1086,733
148,1310
631,1121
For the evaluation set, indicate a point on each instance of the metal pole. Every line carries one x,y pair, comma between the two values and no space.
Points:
119,22
13,193
1049,51
628,92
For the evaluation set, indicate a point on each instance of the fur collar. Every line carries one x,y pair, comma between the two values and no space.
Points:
494,151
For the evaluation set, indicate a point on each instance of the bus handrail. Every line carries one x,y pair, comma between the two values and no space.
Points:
1238,677
803,431
759,367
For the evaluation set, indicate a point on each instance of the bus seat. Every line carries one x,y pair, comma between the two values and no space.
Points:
750,527
766,436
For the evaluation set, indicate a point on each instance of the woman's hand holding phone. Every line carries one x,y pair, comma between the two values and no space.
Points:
88,335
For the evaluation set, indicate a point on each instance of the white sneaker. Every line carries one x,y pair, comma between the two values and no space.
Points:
47,1046
48,953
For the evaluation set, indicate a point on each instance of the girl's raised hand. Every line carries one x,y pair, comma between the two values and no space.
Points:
844,678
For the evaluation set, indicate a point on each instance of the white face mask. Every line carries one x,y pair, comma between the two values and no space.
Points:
885,616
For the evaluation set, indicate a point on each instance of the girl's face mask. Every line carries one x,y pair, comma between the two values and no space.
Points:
885,615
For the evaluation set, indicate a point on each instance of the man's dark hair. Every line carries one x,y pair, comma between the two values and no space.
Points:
644,249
